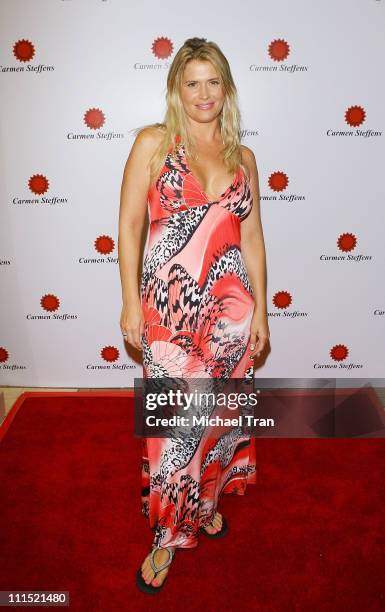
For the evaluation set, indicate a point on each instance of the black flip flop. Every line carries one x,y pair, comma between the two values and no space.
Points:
149,588
219,534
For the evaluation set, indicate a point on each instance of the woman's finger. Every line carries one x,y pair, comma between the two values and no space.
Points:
253,341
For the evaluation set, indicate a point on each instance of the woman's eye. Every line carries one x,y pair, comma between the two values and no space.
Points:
212,83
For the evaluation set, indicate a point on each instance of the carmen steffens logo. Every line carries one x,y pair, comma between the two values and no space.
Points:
354,116
24,51
162,49
278,182
339,353
94,119
282,300
38,184
104,245
346,243
278,51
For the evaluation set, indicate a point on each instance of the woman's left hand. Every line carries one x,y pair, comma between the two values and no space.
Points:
259,328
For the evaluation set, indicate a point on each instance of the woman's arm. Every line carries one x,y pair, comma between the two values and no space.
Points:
254,256
133,207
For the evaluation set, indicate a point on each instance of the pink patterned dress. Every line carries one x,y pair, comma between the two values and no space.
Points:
197,305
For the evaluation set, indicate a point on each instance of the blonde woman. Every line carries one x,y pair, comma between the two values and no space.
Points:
199,310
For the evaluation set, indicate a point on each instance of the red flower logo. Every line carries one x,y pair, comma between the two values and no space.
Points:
23,50
162,47
346,242
282,299
278,50
104,244
355,115
278,181
339,352
3,354
50,302
109,353
38,183
94,118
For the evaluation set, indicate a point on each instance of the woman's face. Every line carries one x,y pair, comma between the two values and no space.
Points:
202,92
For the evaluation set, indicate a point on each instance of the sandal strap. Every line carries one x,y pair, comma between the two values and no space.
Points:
157,569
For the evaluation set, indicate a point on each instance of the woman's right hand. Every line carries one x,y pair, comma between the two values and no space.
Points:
132,323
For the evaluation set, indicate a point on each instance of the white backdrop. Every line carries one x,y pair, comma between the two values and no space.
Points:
78,75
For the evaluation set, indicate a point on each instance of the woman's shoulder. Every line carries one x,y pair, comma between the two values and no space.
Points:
151,134
247,153
248,158
148,139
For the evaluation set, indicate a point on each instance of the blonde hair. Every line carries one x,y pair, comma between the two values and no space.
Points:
175,123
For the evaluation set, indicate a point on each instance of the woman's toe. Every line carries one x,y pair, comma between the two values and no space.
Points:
217,522
159,578
147,571
148,577
211,528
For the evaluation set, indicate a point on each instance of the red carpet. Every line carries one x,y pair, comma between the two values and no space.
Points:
309,536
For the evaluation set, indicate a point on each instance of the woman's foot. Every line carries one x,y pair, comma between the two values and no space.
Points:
160,556
215,525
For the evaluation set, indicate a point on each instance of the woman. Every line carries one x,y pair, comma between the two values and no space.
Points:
200,310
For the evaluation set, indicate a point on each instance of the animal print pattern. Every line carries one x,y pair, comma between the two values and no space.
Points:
197,305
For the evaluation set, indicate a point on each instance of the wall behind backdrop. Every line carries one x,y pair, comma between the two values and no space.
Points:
77,76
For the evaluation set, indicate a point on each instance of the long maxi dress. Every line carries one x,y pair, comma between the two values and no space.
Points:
197,305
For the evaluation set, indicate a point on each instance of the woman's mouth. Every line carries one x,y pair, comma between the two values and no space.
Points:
205,106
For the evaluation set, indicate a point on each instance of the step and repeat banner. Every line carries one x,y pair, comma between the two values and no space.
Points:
77,76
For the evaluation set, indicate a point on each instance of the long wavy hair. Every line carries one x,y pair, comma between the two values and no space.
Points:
175,122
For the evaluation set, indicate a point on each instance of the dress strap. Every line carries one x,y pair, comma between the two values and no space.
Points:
177,141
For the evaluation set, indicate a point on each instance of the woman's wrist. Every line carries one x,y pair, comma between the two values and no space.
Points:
260,309
131,300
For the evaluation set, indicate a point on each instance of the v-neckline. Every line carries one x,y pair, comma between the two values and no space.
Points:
222,195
